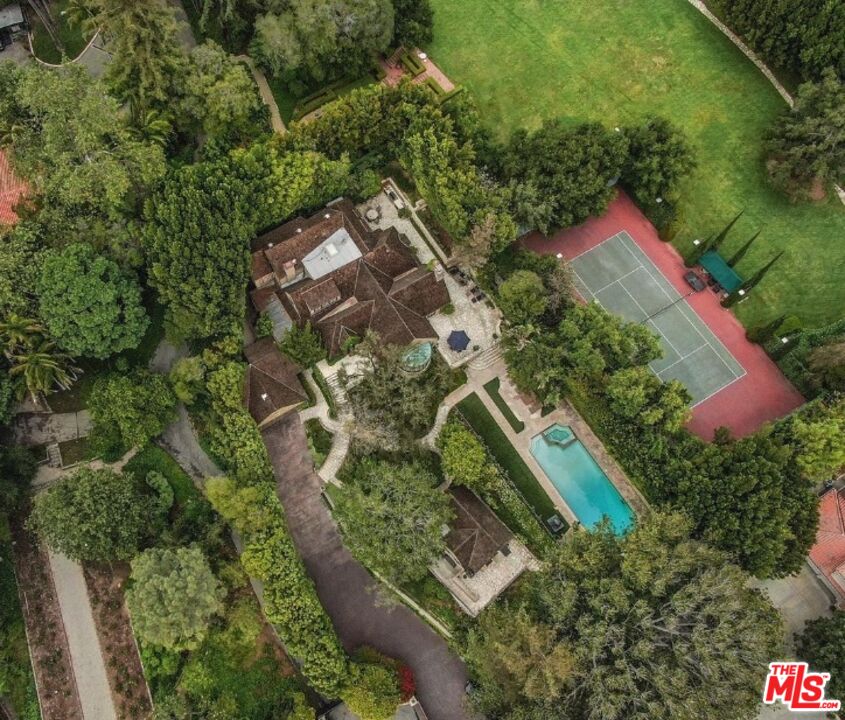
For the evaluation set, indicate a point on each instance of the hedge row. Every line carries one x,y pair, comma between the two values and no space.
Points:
249,503
411,62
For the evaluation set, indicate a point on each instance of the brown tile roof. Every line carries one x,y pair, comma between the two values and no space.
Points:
272,381
476,535
393,294
321,296
828,554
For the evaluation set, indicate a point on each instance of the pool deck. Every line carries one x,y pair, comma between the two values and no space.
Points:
564,414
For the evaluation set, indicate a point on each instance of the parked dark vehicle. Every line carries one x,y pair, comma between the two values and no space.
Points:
694,281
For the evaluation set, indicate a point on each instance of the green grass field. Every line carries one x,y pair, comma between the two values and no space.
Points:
616,61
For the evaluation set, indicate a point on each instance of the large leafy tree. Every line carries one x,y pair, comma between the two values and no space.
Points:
72,144
656,624
219,92
808,141
803,37
19,264
391,408
372,692
197,240
128,410
392,518
822,645
413,24
659,155
173,597
147,60
747,497
94,515
89,305
572,168
317,40
638,394
302,345
522,297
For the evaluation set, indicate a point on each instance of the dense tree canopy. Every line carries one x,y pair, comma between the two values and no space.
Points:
659,155
808,141
522,297
219,92
803,36
72,144
372,692
571,168
173,596
822,646
391,408
312,41
147,60
392,518
19,269
413,24
648,625
88,304
94,515
130,409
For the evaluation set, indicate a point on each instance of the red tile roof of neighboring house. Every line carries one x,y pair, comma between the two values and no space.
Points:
828,554
11,190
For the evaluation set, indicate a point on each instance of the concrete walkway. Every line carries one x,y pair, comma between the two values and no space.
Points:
360,612
266,95
91,679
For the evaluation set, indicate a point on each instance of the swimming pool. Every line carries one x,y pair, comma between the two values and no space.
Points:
579,479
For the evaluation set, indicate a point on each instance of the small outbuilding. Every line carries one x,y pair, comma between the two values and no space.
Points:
272,388
12,23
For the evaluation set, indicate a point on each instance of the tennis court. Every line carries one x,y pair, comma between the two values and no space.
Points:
622,278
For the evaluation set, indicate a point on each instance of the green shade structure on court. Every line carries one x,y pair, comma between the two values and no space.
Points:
721,272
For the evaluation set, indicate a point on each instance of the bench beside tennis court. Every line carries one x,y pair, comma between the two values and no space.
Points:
618,275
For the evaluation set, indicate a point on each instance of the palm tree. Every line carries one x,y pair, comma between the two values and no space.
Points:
19,332
40,368
151,125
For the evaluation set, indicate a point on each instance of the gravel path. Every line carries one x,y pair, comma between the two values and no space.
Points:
88,667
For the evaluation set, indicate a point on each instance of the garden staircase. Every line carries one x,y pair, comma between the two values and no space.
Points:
485,359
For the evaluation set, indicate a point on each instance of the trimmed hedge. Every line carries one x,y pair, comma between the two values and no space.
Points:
290,599
323,384
492,389
480,420
412,64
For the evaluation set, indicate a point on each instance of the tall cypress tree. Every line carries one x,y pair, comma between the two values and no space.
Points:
762,333
761,273
720,238
739,254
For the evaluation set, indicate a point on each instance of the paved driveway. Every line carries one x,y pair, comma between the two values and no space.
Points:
349,593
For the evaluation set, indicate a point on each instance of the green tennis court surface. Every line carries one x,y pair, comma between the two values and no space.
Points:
622,278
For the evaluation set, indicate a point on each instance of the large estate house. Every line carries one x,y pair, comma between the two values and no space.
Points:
333,271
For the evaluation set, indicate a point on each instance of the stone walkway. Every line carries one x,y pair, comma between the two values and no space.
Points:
88,666
266,95
340,441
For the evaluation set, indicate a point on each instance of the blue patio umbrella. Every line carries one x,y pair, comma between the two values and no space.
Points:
458,340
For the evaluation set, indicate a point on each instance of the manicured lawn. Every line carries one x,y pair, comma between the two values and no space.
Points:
506,455
492,389
70,36
74,451
616,61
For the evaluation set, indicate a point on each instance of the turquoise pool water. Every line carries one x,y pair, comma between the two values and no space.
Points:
579,479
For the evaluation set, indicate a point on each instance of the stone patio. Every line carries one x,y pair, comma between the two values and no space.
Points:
481,322
477,592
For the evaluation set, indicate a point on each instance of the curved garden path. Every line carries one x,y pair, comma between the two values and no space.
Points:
360,612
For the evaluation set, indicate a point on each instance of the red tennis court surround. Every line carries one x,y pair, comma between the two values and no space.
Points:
761,395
